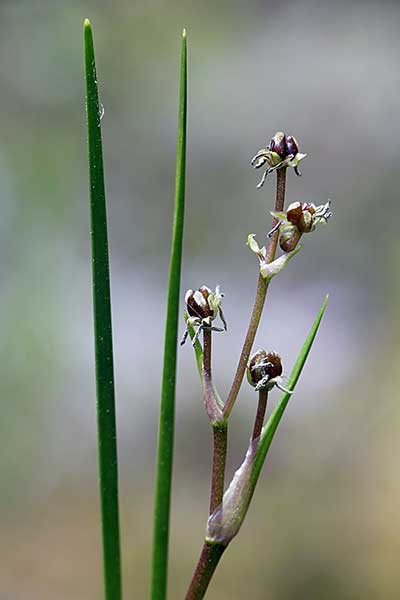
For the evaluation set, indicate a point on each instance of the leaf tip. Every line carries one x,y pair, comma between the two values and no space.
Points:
184,33
86,24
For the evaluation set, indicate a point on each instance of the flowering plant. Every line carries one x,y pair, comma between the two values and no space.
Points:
228,504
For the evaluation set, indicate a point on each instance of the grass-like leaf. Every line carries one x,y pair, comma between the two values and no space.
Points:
271,426
107,436
162,499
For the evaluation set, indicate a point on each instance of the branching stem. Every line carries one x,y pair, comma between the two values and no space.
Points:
220,445
259,302
211,553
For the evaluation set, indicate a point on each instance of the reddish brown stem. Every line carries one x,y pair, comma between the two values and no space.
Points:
208,561
259,302
220,444
211,553
261,409
213,410
220,427
207,337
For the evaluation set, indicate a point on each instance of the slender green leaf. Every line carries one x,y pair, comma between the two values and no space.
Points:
162,499
107,436
271,426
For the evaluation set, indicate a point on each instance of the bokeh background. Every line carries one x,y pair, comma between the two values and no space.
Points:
324,523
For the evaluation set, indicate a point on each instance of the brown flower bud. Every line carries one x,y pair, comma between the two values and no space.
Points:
284,145
293,212
278,144
301,215
263,369
282,152
197,303
292,145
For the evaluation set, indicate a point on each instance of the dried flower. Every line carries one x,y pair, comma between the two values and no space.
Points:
292,145
278,144
203,306
197,303
281,152
264,371
300,217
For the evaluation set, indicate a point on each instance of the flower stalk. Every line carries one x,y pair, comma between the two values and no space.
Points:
212,401
261,410
264,370
208,561
213,408
261,294
220,446
213,550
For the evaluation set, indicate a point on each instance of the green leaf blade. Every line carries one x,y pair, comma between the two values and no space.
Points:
106,422
166,428
271,426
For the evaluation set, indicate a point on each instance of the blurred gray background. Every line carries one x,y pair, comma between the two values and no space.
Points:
324,522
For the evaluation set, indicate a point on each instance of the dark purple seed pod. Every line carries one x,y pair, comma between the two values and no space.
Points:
278,144
263,365
292,145
275,368
197,303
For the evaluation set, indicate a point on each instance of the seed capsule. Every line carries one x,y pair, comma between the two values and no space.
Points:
263,369
293,212
282,152
291,145
278,144
284,145
197,303
301,215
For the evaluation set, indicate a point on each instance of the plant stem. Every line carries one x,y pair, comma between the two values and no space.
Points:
211,553
237,503
107,433
262,407
220,427
279,206
220,446
166,427
213,409
259,302
208,561
207,347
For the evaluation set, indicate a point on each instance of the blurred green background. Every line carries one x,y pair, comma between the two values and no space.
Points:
324,522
